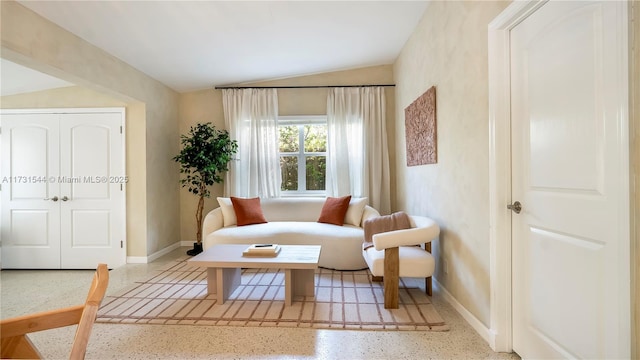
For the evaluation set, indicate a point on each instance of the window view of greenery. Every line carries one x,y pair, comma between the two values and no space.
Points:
303,167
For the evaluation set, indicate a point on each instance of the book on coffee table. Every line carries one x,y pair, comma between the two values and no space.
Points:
264,250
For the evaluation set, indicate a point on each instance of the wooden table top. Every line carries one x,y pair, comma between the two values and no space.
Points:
230,256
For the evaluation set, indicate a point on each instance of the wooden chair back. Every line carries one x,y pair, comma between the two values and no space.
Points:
13,332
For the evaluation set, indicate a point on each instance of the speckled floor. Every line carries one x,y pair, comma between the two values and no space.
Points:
27,291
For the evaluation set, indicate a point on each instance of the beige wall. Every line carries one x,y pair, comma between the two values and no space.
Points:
30,40
635,166
136,138
448,49
206,106
198,107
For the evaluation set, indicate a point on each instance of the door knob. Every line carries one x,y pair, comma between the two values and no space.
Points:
516,207
55,198
65,198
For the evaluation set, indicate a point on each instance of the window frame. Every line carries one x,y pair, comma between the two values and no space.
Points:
300,121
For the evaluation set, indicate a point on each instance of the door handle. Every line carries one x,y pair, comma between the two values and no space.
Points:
516,207
55,198
65,198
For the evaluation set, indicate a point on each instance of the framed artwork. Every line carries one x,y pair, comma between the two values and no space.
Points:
421,130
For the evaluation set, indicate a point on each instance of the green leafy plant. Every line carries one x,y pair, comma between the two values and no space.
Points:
205,156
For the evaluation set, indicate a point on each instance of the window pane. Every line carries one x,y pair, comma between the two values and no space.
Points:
289,169
316,172
315,138
289,139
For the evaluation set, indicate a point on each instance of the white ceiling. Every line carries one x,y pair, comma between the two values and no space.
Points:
191,45
17,79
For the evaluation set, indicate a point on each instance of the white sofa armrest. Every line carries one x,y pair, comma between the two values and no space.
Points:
425,231
212,222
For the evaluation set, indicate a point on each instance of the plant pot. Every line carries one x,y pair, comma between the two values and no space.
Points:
197,249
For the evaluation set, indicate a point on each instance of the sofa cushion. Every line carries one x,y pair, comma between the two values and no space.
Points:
248,211
228,213
292,209
280,231
354,213
334,210
415,261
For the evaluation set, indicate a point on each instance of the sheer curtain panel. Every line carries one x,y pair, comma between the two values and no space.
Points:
251,115
357,151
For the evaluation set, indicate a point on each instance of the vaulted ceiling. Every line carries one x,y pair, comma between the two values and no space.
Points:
191,45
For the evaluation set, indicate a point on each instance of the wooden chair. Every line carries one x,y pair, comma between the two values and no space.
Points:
396,255
13,332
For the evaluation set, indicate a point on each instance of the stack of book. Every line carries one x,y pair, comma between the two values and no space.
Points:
263,250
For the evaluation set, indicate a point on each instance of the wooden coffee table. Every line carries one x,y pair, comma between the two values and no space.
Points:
224,263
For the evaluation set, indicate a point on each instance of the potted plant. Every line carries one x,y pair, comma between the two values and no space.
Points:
205,156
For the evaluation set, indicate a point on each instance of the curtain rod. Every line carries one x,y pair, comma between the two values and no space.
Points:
296,87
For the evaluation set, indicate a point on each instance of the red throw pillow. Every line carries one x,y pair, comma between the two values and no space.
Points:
248,211
334,210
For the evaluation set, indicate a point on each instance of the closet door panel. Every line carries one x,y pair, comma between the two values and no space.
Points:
30,191
92,216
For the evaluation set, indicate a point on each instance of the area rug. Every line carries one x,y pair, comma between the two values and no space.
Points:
343,300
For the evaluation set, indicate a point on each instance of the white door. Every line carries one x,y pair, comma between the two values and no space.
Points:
570,172
30,208
77,161
92,199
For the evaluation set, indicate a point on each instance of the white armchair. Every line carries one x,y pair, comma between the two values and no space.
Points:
396,255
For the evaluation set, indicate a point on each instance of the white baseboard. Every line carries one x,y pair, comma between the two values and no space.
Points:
154,256
476,324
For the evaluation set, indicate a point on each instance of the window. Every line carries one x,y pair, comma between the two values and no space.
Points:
303,154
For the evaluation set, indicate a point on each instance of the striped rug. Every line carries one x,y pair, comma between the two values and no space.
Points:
343,300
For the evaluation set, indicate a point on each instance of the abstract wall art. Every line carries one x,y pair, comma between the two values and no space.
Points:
421,130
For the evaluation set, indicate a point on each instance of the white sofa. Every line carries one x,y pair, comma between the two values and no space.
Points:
294,221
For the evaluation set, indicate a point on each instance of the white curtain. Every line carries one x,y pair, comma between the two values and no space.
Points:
251,116
357,151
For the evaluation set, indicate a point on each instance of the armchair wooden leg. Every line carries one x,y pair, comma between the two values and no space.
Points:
376,278
428,287
391,277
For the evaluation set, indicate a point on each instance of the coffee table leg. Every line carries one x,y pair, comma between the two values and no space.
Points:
298,282
211,281
227,280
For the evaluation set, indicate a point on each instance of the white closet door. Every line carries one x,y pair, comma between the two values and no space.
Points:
30,209
63,181
92,199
